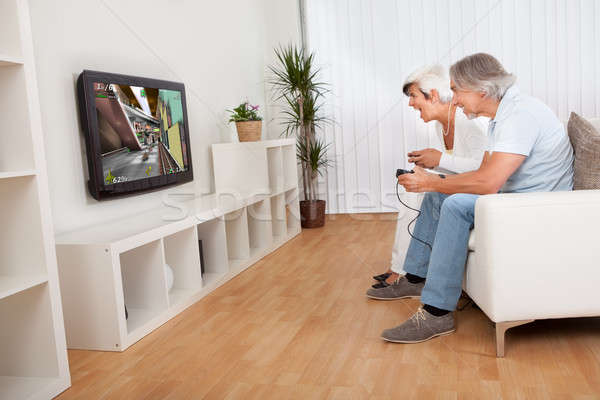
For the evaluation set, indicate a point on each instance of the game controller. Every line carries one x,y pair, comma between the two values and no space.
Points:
403,171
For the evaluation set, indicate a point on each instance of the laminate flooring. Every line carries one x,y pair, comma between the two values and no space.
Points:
297,325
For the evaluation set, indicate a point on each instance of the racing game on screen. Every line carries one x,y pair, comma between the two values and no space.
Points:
141,132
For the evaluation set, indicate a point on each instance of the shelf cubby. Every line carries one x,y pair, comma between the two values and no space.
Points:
278,219
17,174
28,360
292,210
241,169
290,170
8,60
214,249
144,284
16,149
274,159
21,240
183,256
238,242
260,231
10,37
10,285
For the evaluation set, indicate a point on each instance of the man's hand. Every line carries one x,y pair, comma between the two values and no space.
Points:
426,158
420,181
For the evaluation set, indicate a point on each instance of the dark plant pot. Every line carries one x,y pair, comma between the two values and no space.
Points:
312,213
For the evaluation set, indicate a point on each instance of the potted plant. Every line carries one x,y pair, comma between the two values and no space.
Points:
294,82
247,122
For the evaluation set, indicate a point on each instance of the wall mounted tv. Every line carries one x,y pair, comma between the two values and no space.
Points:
136,131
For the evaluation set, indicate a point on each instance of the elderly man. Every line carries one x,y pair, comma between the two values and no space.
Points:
528,150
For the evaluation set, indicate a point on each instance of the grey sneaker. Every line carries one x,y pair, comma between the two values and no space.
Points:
420,327
400,289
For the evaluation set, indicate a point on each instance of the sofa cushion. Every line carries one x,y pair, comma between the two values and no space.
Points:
585,139
472,240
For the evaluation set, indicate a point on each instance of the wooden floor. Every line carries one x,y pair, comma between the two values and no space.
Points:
297,325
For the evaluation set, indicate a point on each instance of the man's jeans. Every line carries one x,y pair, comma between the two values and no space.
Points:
445,223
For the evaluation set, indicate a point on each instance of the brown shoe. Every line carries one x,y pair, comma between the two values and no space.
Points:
382,277
400,289
420,327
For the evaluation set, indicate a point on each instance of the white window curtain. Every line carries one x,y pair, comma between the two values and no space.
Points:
367,47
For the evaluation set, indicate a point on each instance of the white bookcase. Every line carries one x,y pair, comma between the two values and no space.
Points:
33,356
107,268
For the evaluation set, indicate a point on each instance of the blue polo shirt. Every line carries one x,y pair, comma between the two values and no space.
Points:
524,125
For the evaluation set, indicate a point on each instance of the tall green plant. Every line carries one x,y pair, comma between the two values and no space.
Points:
295,83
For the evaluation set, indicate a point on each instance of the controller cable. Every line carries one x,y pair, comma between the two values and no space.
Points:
469,300
414,219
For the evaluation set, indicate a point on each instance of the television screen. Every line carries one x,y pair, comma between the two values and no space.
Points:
137,135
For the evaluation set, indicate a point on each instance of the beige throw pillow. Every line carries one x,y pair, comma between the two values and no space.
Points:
586,145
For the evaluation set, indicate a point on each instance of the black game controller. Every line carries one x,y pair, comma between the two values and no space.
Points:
403,171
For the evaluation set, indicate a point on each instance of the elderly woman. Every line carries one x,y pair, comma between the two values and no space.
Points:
462,139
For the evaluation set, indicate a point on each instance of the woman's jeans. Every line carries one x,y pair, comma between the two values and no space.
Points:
445,223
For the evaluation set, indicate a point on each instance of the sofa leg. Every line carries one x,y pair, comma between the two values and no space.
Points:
501,328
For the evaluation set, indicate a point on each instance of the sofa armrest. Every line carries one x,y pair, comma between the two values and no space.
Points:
537,255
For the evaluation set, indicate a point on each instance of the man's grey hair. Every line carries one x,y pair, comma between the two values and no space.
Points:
482,72
427,78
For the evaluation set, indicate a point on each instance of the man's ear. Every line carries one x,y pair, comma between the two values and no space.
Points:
434,95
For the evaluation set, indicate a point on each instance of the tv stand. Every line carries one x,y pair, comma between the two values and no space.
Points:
121,263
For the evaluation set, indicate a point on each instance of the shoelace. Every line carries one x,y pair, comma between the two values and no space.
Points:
383,284
418,316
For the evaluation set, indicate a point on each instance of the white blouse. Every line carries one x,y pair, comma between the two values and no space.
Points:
470,139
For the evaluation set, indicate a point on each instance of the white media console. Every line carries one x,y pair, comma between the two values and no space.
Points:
104,269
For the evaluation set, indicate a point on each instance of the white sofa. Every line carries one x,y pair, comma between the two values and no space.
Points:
535,256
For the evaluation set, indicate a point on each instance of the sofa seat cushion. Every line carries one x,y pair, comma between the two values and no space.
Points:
472,240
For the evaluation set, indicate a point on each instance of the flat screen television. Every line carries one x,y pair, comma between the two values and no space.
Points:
136,132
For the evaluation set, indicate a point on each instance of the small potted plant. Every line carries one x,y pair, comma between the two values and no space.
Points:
247,122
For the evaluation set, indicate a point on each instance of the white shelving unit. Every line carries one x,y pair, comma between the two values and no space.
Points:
236,234
292,209
260,231
107,268
289,167
278,217
274,158
182,255
144,285
216,261
33,356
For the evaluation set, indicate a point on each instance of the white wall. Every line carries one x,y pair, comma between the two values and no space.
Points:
279,33
219,49
368,47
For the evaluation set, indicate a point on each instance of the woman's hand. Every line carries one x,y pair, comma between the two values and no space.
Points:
426,158
420,181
